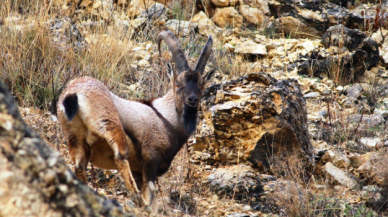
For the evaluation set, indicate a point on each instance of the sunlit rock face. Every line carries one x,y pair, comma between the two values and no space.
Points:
251,120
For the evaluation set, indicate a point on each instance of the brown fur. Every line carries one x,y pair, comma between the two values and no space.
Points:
138,139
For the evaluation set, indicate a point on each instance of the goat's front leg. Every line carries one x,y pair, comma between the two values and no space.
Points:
148,188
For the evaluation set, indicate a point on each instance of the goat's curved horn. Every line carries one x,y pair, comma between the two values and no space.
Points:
204,55
176,49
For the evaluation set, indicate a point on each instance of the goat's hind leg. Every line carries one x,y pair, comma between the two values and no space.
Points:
117,140
80,154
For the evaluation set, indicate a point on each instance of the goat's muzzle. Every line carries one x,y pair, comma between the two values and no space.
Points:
192,101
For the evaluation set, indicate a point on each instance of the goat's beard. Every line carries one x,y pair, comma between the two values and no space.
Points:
190,119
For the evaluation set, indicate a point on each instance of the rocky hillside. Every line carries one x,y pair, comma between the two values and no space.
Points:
293,124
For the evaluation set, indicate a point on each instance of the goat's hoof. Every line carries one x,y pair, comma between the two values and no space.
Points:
139,200
151,210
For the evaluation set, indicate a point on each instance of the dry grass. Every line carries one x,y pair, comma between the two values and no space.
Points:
38,58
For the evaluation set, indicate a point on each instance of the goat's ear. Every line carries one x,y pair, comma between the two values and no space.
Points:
170,71
209,75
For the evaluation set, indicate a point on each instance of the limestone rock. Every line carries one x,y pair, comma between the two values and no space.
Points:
156,12
370,142
181,28
297,28
103,8
225,3
206,6
379,36
241,179
359,160
341,176
343,64
206,27
262,5
249,119
312,95
341,36
227,18
250,47
337,158
252,15
374,169
384,52
35,179
136,7
354,91
312,18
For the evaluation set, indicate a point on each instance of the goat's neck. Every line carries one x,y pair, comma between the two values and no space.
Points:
167,108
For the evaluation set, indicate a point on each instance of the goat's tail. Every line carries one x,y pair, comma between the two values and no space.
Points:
71,105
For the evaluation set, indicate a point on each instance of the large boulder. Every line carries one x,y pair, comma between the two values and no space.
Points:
206,26
337,175
340,36
262,5
227,17
298,28
252,15
35,180
251,119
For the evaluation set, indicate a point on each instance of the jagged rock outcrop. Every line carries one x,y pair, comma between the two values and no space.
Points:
310,19
252,119
348,55
35,181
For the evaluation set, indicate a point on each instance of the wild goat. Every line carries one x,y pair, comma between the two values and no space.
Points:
139,139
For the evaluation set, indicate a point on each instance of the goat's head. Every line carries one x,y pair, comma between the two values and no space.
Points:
187,83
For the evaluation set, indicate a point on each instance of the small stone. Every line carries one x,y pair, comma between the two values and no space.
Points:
312,95
340,88
50,177
53,159
63,188
247,208
250,47
6,122
370,142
